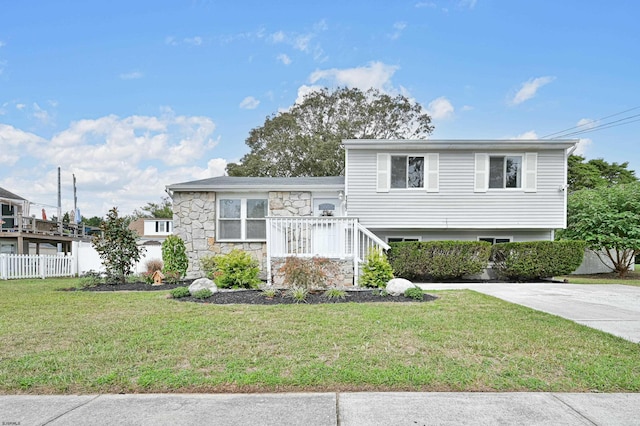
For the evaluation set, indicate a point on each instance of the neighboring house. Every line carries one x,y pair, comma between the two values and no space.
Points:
22,233
152,231
393,190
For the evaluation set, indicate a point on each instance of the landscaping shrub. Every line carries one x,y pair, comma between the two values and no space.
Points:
202,293
438,260
238,269
308,273
414,293
298,294
335,294
377,270
174,256
537,259
179,292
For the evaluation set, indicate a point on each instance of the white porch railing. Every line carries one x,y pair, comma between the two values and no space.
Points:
17,266
331,237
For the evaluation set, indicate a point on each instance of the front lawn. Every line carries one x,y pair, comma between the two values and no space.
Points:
87,342
632,278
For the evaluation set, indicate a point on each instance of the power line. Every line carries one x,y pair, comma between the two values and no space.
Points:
615,123
593,121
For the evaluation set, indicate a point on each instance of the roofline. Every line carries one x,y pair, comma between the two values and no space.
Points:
251,188
459,144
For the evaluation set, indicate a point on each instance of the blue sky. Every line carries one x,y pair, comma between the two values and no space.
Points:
133,95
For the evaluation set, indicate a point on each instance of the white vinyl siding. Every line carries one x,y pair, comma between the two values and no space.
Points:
463,200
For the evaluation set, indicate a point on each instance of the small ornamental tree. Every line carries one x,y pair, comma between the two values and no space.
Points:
608,220
174,255
117,246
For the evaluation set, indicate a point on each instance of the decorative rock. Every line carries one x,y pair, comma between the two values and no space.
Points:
397,286
202,283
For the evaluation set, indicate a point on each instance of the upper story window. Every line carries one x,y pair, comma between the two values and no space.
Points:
242,219
505,171
407,171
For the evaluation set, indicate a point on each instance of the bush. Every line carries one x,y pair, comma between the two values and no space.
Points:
298,294
438,260
117,246
202,293
335,294
238,269
308,273
414,293
208,265
537,259
179,292
91,279
377,271
174,255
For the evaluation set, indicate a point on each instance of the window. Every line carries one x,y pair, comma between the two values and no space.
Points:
401,239
163,226
495,240
242,219
505,172
407,172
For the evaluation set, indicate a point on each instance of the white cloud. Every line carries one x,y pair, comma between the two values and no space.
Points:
303,42
428,4
284,58
440,108
467,4
170,41
582,146
2,43
20,107
41,115
249,103
194,41
133,75
529,89
117,161
586,123
467,108
376,75
398,27
530,135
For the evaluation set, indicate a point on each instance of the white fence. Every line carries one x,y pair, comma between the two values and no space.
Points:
16,266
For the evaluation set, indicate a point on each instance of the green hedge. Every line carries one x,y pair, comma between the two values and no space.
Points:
536,259
438,260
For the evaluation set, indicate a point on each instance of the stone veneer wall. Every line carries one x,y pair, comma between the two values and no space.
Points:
342,278
194,220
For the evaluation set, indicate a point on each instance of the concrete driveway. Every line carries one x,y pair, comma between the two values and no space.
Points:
612,308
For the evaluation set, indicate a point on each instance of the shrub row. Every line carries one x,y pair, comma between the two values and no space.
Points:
438,260
447,260
537,259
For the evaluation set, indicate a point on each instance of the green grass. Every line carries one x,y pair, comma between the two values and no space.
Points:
632,278
87,342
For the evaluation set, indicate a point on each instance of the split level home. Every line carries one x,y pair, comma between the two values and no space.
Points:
392,190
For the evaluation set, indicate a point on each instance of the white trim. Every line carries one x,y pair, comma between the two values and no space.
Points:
432,175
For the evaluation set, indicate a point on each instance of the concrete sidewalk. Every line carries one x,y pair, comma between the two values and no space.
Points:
612,308
310,409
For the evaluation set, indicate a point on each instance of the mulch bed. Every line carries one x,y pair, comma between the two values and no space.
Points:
256,297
